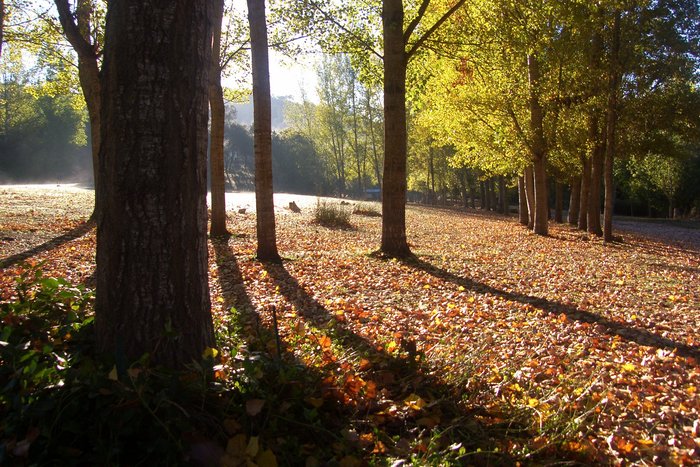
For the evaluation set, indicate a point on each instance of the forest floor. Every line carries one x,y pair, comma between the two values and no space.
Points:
493,345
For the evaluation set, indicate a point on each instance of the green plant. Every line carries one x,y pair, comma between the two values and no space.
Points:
331,214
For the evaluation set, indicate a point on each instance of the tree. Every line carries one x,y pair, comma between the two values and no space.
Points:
2,23
79,30
152,273
262,127
216,136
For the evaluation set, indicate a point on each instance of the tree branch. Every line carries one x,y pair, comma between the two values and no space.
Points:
82,47
434,28
412,26
367,46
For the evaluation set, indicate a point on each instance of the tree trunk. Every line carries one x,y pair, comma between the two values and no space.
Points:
574,200
611,143
472,191
502,193
558,202
584,192
523,215
216,137
530,196
152,272
2,23
484,196
262,128
394,241
539,148
78,35
596,179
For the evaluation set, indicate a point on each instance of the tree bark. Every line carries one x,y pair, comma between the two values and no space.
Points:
216,136
523,215
530,196
596,178
152,272
558,202
584,192
611,128
574,200
502,194
539,148
2,23
262,128
394,243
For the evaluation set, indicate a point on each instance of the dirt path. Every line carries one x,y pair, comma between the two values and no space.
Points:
685,236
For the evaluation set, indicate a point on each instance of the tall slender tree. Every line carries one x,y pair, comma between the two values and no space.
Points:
216,135
262,133
152,285
78,29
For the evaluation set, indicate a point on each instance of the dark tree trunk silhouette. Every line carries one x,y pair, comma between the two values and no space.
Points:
584,192
262,133
558,202
216,135
611,128
574,201
152,272
539,148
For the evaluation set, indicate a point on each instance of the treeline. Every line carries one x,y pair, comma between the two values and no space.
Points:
42,132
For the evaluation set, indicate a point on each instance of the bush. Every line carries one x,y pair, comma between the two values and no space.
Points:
367,209
331,214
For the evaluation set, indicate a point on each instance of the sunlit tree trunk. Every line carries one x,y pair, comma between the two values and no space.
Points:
152,272
216,136
523,216
262,129
530,196
597,157
394,241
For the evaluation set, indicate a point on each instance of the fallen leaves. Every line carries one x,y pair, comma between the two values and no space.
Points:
592,350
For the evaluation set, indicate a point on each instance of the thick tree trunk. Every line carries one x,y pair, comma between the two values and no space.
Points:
574,200
394,241
539,148
152,287
558,202
262,128
530,196
611,143
216,136
584,192
523,215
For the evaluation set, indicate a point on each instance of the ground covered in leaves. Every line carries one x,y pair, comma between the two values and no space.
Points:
492,345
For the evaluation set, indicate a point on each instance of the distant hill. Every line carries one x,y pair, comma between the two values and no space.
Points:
244,112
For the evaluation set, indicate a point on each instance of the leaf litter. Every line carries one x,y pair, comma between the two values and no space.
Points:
538,348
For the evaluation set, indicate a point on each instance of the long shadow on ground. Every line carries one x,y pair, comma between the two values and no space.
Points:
56,242
630,333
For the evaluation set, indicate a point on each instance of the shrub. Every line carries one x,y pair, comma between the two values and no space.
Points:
367,209
331,214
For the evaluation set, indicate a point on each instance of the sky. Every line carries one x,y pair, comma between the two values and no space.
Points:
288,79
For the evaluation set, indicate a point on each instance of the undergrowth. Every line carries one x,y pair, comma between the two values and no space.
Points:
331,214
257,402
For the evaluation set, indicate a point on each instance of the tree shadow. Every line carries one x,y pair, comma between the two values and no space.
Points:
625,331
54,243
